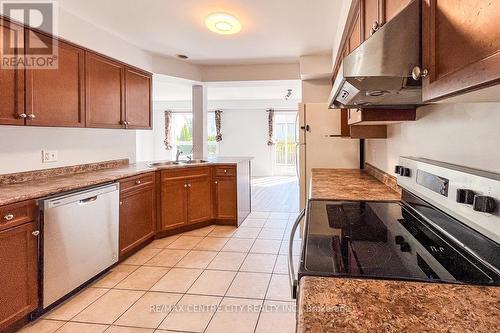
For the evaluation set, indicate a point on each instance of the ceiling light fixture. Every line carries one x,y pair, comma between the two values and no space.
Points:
223,23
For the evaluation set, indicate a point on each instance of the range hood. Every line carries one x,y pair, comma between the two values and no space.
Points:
379,72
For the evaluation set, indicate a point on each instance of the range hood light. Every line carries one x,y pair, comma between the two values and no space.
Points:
376,93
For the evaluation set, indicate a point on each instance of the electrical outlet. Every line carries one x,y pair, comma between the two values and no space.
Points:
49,156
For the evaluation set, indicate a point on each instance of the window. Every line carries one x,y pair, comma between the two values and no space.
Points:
182,133
285,147
182,129
212,133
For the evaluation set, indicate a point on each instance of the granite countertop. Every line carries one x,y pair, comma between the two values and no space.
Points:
356,305
39,188
349,184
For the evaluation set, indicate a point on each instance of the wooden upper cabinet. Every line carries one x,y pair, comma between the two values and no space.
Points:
461,42
391,8
199,199
19,273
138,99
11,80
355,38
370,16
56,96
104,92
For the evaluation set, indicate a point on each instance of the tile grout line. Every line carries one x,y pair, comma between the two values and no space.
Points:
145,264
230,284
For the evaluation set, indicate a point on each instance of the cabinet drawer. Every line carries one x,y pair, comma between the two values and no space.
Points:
132,183
225,170
185,173
17,214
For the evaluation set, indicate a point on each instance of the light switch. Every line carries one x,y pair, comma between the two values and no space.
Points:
49,156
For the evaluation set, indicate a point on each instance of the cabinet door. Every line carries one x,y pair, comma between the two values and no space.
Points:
137,222
200,199
19,273
355,39
56,96
173,203
391,8
11,80
226,198
137,99
104,93
461,41
369,11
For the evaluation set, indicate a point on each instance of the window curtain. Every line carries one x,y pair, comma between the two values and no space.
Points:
168,130
218,125
270,119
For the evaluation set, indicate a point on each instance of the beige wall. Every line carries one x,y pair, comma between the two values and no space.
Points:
250,72
464,134
316,91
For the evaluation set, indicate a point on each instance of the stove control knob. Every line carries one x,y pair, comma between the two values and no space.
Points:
405,247
397,169
465,196
399,239
404,172
484,204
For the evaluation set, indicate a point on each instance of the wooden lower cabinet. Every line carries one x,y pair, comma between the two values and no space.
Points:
226,198
173,204
188,196
18,273
199,199
137,212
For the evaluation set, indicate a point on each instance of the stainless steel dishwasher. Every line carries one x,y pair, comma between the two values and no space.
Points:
80,239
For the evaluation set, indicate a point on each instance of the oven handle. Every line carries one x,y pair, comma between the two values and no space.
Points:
291,272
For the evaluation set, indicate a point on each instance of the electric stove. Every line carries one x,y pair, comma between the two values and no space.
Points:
446,229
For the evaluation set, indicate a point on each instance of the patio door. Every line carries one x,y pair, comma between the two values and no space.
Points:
285,150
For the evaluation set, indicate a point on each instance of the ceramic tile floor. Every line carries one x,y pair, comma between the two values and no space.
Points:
214,279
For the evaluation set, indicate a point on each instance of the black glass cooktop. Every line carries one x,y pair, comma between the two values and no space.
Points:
391,240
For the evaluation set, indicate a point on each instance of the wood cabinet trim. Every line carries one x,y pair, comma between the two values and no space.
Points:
58,38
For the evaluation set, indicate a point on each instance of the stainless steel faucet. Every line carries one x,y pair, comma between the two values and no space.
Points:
178,154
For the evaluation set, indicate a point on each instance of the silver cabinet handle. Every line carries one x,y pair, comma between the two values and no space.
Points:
22,116
216,182
8,217
225,171
36,233
138,182
189,185
291,271
418,73
121,203
185,185
31,116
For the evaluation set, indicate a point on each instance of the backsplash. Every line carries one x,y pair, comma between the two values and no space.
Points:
20,177
384,177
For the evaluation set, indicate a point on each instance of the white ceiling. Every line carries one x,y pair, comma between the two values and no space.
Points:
171,89
273,31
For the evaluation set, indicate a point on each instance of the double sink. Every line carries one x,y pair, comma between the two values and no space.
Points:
170,163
